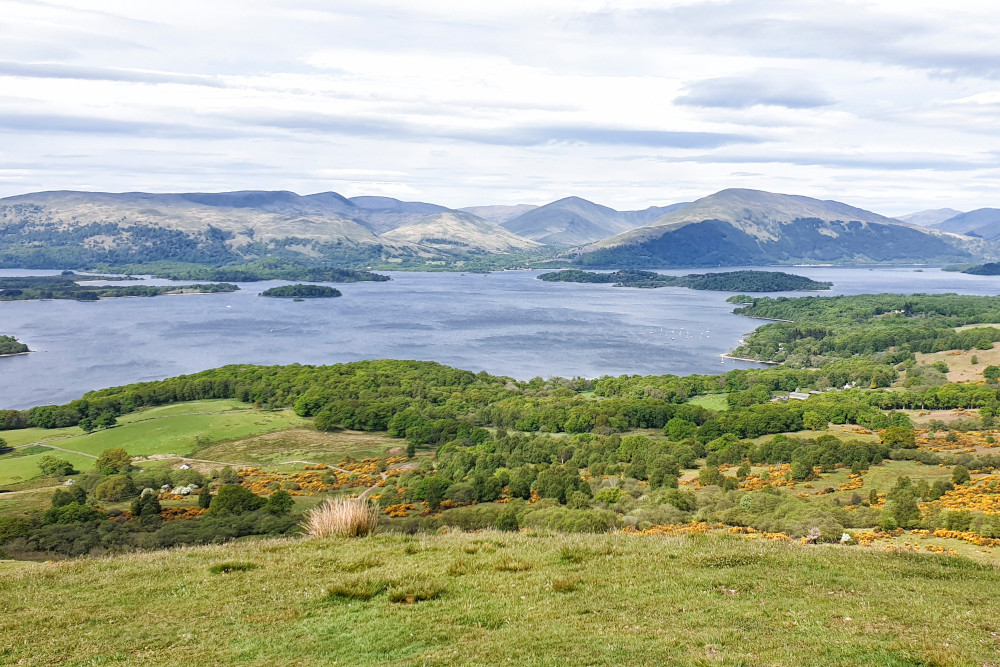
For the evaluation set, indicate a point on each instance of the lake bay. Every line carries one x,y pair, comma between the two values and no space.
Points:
506,323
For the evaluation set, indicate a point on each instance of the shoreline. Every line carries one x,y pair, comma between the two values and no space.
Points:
16,354
756,361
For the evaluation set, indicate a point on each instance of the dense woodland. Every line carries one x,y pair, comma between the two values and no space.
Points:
729,281
274,268
823,329
300,291
10,345
65,287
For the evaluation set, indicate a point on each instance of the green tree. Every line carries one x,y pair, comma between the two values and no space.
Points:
901,503
115,488
113,461
55,467
991,373
900,437
679,429
711,476
507,520
960,475
234,499
67,495
205,497
279,502
813,421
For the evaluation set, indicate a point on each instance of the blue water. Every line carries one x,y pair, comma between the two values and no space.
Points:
505,323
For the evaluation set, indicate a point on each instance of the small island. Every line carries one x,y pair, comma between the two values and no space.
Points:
988,269
10,346
730,281
26,288
300,291
271,268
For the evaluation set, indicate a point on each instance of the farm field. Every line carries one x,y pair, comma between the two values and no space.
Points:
711,401
528,598
179,429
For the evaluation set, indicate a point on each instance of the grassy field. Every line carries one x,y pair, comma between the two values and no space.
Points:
711,401
303,444
178,429
960,366
504,598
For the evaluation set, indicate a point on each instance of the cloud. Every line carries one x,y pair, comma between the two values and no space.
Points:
91,125
59,71
757,89
871,161
500,136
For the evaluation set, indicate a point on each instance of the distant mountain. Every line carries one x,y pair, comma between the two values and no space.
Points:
750,227
77,229
574,221
451,230
930,217
381,214
983,222
499,214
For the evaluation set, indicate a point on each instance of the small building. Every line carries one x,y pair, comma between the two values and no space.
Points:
798,396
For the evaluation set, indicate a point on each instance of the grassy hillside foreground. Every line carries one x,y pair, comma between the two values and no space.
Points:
521,598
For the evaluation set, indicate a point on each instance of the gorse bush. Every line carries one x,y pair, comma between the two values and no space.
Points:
343,517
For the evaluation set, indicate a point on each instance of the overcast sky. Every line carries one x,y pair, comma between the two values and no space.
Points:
891,106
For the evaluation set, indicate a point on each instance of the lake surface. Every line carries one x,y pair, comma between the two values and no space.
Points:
505,323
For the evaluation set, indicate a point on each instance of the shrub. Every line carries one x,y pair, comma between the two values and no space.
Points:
234,499
960,475
507,520
279,502
72,513
115,488
53,467
113,461
232,566
343,517
65,496
610,495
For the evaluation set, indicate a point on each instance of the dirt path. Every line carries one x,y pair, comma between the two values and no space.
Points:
45,443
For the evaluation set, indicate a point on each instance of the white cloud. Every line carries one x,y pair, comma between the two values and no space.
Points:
888,105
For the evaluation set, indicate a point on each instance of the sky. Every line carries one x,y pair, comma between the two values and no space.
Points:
890,106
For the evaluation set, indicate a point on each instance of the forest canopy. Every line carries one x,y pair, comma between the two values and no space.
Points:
728,281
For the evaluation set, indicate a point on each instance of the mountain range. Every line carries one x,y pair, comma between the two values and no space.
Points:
983,222
732,227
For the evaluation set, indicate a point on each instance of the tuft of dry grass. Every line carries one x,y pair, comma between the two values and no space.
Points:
342,517
416,591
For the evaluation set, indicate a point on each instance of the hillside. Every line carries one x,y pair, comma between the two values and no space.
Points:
573,221
930,217
531,598
983,222
458,230
77,229
748,227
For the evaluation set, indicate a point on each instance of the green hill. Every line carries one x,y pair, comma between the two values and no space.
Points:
529,598
749,227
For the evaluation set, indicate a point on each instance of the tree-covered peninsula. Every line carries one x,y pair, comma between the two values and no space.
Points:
24,288
988,269
729,281
272,268
301,291
10,345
